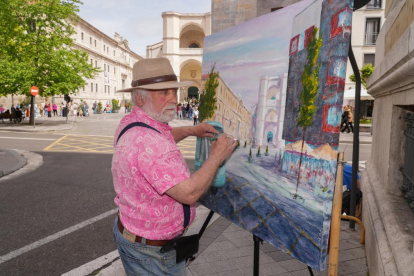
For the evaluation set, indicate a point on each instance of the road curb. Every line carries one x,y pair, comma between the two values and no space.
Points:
21,161
33,162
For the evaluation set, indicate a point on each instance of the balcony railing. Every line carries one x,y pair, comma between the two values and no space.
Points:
371,38
374,4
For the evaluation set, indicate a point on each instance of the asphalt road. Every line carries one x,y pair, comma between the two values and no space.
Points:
68,189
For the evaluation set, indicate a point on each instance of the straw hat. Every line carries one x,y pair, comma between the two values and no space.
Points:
346,108
154,74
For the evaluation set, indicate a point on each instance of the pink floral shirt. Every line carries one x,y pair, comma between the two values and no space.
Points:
145,165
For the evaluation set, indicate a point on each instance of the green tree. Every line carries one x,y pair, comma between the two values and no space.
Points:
36,48
366,72
208,98
308,95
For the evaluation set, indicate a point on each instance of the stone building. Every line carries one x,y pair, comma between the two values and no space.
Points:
366,25
183,39
387,215
267,119
231,112
228,13
114,58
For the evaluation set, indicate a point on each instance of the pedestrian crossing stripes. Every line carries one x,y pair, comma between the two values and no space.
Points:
104,144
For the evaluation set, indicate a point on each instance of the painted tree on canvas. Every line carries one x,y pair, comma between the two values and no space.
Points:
208,98
308,95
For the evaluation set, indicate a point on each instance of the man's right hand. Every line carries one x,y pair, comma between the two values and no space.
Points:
222,148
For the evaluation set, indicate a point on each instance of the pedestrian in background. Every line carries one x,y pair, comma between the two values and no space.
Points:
49,111
190,113
345,119
1,109
195,115
94,107
61,107
126,107
55,110
86,106
351,120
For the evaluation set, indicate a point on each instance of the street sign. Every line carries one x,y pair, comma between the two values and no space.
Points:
34,91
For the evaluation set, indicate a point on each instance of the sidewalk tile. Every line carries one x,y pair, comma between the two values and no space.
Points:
189,272
205,240
272,269
218,227
224,245
213,256
241,242
221,238
243,261
234,272
268,248
265,259
345,245
210,248
279,256
234,235
233,253
292,265
202,269
211,234
198,260
224,265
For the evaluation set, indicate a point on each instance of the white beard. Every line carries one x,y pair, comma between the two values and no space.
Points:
165,117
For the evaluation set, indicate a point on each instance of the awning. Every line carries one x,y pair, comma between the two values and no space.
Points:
350,94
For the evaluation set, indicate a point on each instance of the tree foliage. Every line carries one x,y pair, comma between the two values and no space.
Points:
310,83
366,72
308,95
208,98
36,48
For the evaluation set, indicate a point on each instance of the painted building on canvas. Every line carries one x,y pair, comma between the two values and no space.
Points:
267,117
231,112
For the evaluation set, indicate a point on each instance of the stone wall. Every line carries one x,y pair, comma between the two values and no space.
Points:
228,13
387,217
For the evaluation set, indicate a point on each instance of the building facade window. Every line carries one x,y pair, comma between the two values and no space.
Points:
114,70
95,42
91,62
114,52
104,67
374,4
96,63
90,40
369,59
372,28
96,87
104,48
193,45
91,87
108,69
114,90
82,36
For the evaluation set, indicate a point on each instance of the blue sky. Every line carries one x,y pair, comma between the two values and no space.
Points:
138,21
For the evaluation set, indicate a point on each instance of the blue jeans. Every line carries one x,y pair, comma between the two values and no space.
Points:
141,259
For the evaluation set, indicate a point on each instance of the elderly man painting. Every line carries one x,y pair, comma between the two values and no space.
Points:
151,178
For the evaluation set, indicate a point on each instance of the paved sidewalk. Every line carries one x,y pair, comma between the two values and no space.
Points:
348,138
42,124
10,161
227,250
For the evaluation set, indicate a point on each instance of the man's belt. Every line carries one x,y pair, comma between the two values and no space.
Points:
139,239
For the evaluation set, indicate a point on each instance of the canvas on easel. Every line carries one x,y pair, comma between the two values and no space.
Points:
276,84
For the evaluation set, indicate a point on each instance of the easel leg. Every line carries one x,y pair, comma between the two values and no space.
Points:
206,222
256,264
310,271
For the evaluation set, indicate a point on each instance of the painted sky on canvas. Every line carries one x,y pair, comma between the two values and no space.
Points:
246,52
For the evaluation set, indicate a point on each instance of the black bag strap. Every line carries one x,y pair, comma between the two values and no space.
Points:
186,207
131,125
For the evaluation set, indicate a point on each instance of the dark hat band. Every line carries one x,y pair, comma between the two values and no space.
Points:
153,80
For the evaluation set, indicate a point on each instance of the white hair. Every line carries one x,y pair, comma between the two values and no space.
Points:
148,105
141,93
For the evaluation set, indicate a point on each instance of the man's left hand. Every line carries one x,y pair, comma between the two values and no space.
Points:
204,130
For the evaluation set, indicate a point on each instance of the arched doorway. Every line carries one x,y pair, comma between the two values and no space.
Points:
270,137
193,92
